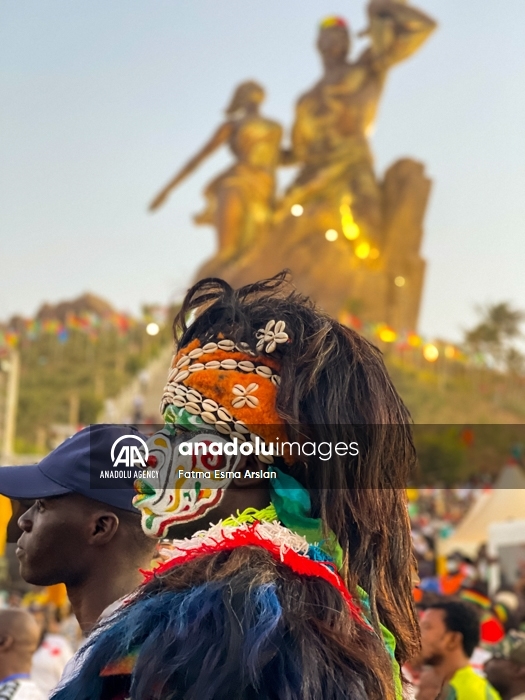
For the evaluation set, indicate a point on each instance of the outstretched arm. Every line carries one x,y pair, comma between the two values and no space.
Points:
220,137
397,30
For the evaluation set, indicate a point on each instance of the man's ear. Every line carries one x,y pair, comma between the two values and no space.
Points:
103,528
6,643
455,640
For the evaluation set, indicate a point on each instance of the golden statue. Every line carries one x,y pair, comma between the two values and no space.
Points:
239,201
330,227
351,240
334,118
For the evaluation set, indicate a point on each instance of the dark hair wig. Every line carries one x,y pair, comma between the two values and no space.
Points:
335,388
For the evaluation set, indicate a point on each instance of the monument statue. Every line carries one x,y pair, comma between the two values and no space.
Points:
240,201
334,118
351,240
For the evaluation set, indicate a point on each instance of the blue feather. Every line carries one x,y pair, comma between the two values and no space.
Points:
224,640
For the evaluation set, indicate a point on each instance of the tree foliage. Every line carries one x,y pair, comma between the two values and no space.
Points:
495,335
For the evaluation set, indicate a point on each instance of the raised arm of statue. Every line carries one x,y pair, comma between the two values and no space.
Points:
396,30
220,137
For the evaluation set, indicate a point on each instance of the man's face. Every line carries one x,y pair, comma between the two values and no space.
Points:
436,639
53,541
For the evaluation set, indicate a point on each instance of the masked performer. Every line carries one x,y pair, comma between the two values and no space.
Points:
300,589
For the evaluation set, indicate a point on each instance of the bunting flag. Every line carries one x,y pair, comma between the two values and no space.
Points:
88,323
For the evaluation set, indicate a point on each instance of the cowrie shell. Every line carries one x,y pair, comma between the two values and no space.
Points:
182,362
195,353
193,395
209,347
229,364
208,417
271,346
240,427
238,390
252,387
181,376
223,414
252,401
210,405
263,371
240,437
196,367
213,364
181,390
180,403
239,402
193,408
173,373
226,344
222,427
246,365
266,459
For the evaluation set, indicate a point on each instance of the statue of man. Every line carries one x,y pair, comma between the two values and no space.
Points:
334,118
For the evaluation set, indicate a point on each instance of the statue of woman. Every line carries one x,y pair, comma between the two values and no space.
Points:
240,200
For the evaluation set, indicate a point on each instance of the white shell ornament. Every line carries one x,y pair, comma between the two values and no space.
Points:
271,335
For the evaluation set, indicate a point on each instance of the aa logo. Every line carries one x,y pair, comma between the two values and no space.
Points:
130,455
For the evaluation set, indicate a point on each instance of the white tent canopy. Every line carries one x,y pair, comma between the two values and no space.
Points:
506,502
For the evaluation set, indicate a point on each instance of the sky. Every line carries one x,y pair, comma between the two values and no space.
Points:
101,102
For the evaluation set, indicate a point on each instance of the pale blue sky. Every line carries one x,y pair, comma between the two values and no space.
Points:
101,101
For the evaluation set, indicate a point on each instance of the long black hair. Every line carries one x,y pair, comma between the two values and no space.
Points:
334,388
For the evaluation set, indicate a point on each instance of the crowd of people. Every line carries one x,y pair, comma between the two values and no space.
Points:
42,640
281,578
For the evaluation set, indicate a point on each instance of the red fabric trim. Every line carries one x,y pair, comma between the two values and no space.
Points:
299,563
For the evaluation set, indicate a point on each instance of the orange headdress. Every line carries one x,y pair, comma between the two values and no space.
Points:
228,387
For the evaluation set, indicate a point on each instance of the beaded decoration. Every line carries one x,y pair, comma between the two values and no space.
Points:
229,388
284,545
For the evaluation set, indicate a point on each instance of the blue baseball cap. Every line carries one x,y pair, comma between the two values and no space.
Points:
73,468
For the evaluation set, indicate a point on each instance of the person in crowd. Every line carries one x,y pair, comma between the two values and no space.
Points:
53,653
69,627
506,669
19,638
300,588
88,538
450,631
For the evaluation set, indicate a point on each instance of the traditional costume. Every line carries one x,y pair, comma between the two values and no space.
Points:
255,607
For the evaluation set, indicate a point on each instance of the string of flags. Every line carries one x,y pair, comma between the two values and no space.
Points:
88,323
92,324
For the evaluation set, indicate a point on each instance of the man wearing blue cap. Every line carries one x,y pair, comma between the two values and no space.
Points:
80,530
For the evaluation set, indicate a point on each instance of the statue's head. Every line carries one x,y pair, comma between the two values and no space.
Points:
246,95
334,39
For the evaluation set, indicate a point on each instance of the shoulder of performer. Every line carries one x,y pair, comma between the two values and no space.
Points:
235,620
